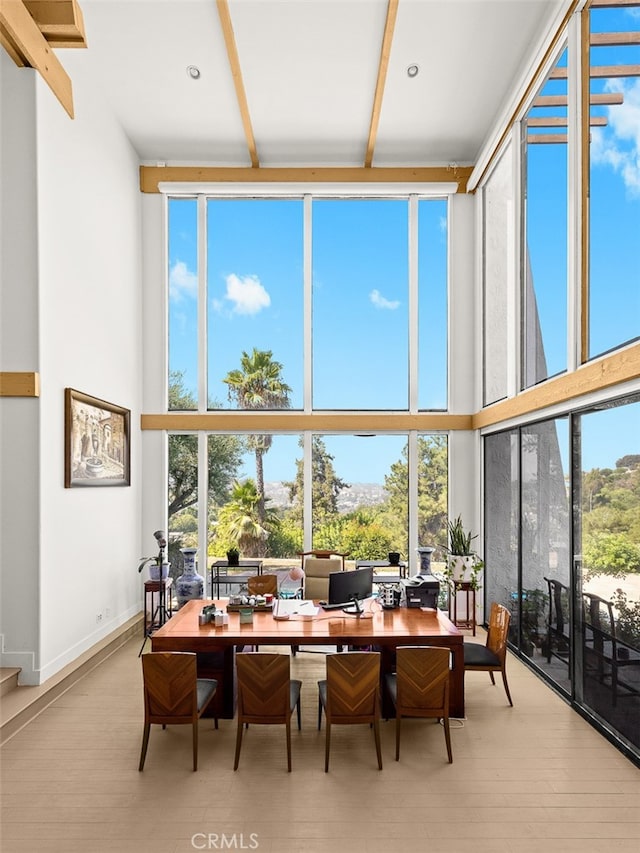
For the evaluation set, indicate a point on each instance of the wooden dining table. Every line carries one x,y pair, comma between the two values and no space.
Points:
383,630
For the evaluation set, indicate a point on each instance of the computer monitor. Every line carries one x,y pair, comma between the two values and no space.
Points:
350,587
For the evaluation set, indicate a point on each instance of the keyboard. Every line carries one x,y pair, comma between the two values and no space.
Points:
326,606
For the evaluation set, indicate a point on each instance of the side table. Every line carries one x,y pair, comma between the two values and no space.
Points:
152,603
469,621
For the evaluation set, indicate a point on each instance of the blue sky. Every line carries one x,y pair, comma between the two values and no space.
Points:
360,282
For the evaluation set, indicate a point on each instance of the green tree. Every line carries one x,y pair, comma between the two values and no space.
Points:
325,485
258,384
611,554
239,522
224,457
432,494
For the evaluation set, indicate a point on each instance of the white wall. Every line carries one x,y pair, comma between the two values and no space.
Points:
87,242
465,376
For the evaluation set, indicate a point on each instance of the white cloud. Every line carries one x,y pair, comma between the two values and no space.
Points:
380,302
182,282
618,146
247,294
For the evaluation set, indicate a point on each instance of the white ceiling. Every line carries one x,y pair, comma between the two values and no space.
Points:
309,69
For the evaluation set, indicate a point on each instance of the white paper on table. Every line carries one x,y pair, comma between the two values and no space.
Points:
295,609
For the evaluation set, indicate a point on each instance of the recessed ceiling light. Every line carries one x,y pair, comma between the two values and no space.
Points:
193,71
412,70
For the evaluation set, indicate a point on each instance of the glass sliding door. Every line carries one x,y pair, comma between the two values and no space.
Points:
545,534
608,540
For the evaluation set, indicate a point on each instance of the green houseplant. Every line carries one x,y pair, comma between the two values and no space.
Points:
154,570
463,564
233,556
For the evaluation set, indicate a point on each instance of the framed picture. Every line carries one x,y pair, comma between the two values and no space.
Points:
97,442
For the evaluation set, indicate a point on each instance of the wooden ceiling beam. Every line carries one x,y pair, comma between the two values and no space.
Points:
236,72
59,21
152,176
383,65
597,72
595,99
21,38
614,39
561,121
546,138
607,4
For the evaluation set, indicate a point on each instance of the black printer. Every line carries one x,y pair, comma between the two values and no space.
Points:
422,591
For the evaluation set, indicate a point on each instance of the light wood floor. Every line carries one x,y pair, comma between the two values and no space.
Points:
535,777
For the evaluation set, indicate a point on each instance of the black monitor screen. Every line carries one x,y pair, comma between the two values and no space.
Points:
344,587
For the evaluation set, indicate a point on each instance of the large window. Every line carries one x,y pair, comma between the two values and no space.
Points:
614,180
569,570
608,540
314,304
339,267
255,299
545,226
182,215
360,304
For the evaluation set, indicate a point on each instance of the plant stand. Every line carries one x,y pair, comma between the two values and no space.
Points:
469,621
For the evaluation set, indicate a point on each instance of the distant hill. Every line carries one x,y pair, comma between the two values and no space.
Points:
357,495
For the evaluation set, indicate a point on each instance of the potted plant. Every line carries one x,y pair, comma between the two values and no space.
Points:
233,556
154,569
463,563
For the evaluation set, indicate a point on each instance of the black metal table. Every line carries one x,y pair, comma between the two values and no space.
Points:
384,577
217,576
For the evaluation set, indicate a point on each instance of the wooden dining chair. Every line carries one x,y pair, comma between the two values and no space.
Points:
262,584
267,694
174,695
491,657
350,694
420,687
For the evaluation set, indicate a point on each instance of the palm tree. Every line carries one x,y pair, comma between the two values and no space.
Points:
239,522
258,384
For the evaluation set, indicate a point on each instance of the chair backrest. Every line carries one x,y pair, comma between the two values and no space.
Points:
353,686
323,554
558,605
499,620
263,686
170,692
422,678
262,584
316,575
598,616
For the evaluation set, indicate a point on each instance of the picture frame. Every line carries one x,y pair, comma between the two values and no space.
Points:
97,438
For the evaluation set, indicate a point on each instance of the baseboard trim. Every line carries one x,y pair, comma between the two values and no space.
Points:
22,704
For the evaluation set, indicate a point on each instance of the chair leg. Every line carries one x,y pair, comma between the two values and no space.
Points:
398,718
145,744
327,746
238,744
299,714
319,713
195,745
288,727
447,737
506,687
493,681
376,734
